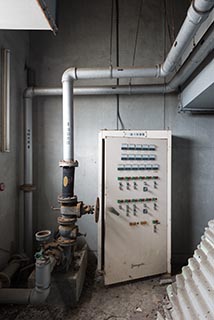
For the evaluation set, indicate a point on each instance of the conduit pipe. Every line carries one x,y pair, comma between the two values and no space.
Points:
36,295
27,242
200,52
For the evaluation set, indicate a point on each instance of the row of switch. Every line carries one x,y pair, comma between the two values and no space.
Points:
145,157
139,178
154,222
137,200
128,186
134,210
143,147
122,167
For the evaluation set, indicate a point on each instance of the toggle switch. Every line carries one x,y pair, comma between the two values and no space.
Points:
127,210
135,185
143,222
155,221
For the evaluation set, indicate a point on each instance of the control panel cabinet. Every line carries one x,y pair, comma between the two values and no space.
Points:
134,234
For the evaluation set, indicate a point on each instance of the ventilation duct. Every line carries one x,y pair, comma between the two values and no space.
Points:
198,94
28,15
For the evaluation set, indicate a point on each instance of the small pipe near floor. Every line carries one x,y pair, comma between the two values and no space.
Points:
37,295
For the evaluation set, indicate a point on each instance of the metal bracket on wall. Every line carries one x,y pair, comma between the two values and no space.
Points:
5,100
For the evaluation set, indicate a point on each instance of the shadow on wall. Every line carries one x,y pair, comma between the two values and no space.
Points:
182,198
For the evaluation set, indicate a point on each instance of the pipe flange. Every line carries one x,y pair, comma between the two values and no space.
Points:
43,236
68,163
66,242
64,221
68,200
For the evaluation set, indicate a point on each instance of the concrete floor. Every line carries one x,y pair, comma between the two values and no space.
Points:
132,301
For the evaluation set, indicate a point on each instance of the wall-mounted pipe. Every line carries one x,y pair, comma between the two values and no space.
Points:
8,272
201,50
5,100
197,13
28,181
36,295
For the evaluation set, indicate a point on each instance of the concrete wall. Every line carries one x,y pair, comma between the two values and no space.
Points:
11,164
83,40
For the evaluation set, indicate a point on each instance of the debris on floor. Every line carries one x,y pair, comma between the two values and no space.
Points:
137,300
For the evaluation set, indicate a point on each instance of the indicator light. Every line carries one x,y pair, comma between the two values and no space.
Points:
143,222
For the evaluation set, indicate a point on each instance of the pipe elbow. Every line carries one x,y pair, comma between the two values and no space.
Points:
162,72
39,296
28,93
69,75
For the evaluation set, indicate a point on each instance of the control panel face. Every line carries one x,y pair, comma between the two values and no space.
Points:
135,207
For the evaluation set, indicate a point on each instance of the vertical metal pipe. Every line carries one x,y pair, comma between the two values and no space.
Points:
5,100
68,125
28,179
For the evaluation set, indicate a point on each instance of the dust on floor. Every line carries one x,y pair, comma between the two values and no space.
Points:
137,300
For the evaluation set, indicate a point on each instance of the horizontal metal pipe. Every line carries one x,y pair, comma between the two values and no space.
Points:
101,90
135,72
110,73
201,50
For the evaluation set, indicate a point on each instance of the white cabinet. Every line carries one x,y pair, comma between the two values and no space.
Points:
135,190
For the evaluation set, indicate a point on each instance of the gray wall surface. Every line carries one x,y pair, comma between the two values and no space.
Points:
11,164
83,41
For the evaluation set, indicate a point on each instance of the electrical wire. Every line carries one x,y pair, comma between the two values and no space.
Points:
111,32
119,119
165,29
136,35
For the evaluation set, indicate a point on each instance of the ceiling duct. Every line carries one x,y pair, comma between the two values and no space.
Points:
28,15
198,94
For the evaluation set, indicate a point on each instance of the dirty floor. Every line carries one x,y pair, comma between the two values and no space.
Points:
138,300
